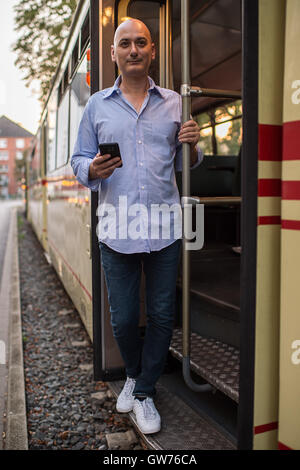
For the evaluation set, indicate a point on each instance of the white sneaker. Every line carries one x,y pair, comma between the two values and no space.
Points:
147,416
126,399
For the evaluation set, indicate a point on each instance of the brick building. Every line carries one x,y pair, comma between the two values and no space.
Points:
14,139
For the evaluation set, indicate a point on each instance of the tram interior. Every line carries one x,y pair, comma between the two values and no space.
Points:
216,63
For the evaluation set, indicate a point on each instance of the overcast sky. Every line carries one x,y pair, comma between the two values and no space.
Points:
17,102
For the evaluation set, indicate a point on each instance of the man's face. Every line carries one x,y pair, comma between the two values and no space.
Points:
133,49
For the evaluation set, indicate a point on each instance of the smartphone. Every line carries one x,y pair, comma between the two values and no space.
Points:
111,149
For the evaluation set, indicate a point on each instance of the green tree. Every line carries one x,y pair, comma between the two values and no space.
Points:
231,143
42,26
209,121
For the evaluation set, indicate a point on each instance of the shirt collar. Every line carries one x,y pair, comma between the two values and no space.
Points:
115,88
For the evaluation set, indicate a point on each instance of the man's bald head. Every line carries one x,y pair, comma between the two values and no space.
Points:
125,25
133,49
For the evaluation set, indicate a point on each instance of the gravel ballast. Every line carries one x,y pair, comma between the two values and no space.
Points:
66,408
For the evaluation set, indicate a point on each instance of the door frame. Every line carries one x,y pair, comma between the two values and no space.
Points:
249,175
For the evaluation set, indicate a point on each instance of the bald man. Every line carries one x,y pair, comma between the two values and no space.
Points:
145,120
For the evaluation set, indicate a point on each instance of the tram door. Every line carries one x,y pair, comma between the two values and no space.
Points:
214,288
216,62
153,14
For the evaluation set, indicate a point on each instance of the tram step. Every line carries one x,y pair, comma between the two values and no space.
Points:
216,362
209,319
214,294
182,428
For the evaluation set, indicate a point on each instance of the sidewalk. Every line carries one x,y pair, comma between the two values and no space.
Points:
13,426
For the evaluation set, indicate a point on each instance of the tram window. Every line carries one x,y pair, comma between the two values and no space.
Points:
51,142
38,154
148,12
35,166
221,129
216,44
85,33
206,141
66,79
63,131
204,122
229,128
60,92
80,93
45,145
75,56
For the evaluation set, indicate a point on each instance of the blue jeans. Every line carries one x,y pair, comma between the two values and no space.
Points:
144,359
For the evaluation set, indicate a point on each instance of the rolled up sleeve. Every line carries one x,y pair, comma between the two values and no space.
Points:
178,158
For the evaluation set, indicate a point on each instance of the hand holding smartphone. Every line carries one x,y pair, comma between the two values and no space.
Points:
104,163
112,149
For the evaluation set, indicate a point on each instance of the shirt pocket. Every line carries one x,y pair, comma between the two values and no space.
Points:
164,132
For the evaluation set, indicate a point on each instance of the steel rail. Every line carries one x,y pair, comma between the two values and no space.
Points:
186,113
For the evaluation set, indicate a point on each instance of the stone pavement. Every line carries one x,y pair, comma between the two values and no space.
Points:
8,254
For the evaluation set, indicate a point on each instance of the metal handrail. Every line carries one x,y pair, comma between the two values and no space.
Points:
196,91
187,92
186,112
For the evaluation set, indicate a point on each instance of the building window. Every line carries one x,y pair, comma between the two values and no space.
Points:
3,155
20,143
3,143
3,167
3,180
19,155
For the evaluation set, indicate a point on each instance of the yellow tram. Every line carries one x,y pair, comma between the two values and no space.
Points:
242,318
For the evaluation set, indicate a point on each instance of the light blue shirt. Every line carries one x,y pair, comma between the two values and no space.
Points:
135,201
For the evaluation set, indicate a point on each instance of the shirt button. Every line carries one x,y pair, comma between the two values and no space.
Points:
143,187
141,164
140,141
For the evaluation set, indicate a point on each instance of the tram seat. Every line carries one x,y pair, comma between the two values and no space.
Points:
216,176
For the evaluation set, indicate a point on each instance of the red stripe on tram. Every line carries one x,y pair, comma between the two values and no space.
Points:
290,224
282,446
266,427
269,187
291,148
270,142
291,190
269,220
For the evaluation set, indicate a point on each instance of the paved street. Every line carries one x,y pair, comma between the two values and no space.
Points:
5,218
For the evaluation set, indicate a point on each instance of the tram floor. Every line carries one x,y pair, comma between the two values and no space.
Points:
190,420
215,406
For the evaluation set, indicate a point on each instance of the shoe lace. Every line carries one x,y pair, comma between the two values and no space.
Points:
148,408
129,386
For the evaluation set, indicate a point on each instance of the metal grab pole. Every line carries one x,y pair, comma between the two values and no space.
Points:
186,112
